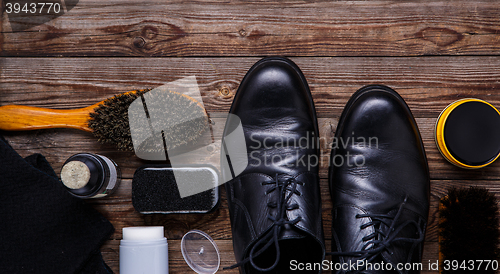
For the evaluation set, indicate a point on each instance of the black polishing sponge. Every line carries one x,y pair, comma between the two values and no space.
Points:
154,190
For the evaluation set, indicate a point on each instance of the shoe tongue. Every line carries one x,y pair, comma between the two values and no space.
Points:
291,232
288,232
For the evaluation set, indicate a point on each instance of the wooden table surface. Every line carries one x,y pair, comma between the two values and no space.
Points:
431,52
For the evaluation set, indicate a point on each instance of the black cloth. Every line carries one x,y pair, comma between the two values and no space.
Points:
43,229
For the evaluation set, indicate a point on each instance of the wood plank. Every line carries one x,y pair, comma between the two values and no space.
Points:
3,20
119,210
292,28
110,252
428,85
58,145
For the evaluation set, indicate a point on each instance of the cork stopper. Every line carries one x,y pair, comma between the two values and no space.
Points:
75,174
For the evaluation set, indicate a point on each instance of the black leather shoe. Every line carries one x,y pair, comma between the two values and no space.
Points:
275,203
379,182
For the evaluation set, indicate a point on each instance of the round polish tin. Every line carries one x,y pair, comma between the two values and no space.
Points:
467,133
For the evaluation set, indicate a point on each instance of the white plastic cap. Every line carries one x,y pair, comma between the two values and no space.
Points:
141,233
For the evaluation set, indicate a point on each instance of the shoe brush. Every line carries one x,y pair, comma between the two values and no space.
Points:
468,231
107,120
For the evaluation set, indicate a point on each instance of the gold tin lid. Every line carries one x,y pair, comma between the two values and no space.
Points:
467,133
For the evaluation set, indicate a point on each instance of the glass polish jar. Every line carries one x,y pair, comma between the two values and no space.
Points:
87,175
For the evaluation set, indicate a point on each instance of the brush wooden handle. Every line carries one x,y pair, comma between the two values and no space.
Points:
17,117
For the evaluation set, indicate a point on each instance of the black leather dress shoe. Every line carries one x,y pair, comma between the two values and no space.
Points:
275,204
379,182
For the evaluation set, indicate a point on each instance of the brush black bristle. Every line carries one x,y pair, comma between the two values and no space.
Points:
110,120
468,228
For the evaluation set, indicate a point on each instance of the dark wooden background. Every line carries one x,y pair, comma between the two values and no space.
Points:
431,52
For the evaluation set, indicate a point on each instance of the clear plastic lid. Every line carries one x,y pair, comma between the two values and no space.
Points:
200,252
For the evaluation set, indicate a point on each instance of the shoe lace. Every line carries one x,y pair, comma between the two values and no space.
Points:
287,187
375,245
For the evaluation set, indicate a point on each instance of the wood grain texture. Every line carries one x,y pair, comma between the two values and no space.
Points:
20,117
427,84
256,28
58,145
432,52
